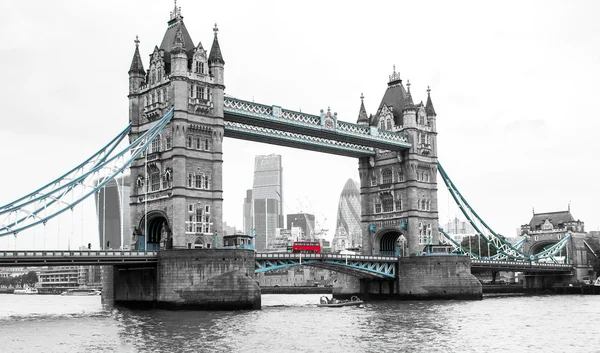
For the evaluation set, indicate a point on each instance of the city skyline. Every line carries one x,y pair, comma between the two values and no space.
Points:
506,158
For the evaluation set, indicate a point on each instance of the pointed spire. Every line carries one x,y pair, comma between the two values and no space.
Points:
362,113
429,106
409,101
215,51
136,64
176,13
394,78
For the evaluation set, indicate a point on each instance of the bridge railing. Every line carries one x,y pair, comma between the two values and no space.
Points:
266,256
525,264
75,253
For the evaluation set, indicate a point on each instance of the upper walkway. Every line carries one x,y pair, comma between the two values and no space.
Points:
275,125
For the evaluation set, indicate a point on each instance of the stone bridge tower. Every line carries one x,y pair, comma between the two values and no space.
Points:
176,192
399,189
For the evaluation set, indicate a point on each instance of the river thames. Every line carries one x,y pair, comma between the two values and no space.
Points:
293,323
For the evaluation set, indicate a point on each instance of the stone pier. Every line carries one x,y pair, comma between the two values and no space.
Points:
418,277
201,279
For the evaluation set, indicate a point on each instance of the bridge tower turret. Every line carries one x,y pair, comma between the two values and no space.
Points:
399,188
176,193
136,80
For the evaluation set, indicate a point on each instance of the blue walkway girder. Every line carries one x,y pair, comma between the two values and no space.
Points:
279,119
356,265
295,140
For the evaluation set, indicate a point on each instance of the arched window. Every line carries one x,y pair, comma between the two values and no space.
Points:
387,202
154,178
386,176
389,124
398,203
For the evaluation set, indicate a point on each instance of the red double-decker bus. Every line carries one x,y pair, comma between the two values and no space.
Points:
307,247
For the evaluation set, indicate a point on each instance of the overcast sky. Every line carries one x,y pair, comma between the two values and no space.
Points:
514,84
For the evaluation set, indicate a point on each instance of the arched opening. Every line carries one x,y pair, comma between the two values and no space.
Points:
392,243
158,231
199,243
560,256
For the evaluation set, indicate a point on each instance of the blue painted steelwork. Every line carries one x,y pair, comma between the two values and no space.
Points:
51,200
297,140
504,249
312,128
358,265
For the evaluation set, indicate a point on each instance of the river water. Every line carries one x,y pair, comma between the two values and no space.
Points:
293,323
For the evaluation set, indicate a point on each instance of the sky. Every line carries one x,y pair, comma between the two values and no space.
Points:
514,84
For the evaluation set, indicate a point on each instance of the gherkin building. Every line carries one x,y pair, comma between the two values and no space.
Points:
348,234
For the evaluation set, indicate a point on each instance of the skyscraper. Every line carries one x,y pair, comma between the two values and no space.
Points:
113,219
306,221
267,198
248,212
348,233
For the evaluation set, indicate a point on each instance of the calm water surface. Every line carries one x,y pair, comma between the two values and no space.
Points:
293,323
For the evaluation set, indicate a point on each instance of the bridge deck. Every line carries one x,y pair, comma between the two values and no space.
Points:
520,266
75,257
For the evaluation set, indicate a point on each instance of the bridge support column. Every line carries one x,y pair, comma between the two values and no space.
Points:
345,286
108,285
437,277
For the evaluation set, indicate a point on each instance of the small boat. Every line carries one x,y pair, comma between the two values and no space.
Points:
334,303
81,292
26,291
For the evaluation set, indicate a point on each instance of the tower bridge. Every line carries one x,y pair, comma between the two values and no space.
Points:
179,115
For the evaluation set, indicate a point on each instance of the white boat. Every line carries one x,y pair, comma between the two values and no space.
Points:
81,292
26,291
334,303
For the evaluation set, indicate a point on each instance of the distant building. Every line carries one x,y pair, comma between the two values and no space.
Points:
348,233
298,276
228,230
248,222
267,199
115,216
306,221
60,277
456,226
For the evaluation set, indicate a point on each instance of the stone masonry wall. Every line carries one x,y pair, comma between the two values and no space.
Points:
437,277
211,279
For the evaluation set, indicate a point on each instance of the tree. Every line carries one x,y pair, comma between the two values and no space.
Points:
30,278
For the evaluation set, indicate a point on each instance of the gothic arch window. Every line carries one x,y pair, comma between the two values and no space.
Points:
386,176
389,125
387,202
154,176
168,178
398,203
